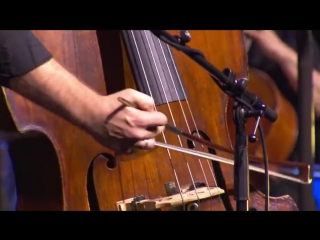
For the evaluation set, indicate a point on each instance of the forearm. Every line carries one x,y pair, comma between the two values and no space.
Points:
55,89
287,58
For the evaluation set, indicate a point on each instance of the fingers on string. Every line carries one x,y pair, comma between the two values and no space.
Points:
143,101
147,119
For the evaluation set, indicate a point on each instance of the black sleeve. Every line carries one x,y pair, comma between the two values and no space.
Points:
20,52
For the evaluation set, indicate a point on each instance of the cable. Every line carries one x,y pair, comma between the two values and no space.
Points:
266,167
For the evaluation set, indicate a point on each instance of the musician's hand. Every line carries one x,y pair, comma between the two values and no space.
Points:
125,127
267,40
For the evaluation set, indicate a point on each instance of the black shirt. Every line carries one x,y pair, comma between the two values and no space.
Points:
20,53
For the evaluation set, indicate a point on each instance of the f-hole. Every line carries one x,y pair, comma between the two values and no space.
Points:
216,168
92,194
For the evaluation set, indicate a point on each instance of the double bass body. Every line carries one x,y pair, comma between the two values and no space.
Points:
182,92
65,169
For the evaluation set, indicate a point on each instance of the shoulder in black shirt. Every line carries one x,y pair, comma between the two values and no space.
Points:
20,53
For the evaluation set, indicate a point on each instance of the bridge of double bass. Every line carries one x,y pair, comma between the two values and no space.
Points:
187,198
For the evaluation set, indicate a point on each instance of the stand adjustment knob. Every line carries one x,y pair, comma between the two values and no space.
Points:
252,138
184,37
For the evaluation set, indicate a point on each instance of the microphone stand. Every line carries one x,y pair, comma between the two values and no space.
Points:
246,105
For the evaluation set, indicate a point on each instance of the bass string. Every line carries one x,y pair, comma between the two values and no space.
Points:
148,39
192,118
163,135
145,33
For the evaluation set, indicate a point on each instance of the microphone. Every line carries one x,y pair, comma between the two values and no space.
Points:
199,58
257,103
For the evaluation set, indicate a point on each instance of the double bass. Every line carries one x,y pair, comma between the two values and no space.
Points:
60,167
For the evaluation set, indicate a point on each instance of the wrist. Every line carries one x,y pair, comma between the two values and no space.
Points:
91,114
